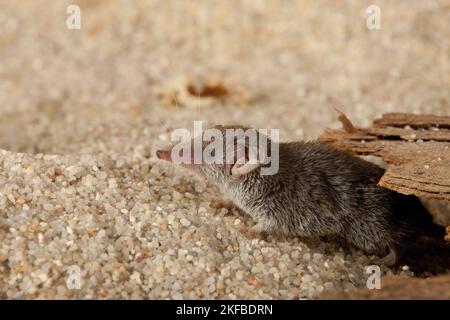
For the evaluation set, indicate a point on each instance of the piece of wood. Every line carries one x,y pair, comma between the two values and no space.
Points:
347,125
418,156
412,120
396,287
392,133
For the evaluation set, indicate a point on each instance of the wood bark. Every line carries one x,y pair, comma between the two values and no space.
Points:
415,147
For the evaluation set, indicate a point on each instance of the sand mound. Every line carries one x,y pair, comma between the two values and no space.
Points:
136,230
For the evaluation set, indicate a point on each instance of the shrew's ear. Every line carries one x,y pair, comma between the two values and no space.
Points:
246,161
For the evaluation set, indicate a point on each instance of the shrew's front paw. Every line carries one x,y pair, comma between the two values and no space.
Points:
221,203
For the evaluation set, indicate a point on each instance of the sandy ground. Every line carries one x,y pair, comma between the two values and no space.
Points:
89,108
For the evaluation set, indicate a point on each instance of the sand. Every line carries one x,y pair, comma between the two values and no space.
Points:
82,113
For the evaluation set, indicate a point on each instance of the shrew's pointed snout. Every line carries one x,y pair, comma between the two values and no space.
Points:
164,155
